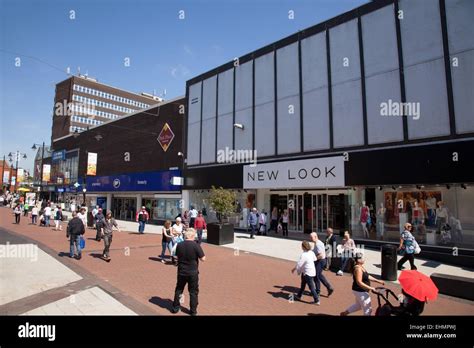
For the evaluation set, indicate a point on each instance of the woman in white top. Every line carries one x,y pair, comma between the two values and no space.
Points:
34,214
306,268
177,232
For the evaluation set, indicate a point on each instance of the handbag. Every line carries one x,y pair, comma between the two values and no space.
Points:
417,248
82,243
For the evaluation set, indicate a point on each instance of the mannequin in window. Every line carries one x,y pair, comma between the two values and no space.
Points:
381,220
456,230
418,217
431,209
364,217
441,216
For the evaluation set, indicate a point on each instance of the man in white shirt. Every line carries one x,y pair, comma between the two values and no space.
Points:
82,215
193,213
94,213
320,264
47,215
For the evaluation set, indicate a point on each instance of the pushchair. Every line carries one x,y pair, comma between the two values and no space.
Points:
411,307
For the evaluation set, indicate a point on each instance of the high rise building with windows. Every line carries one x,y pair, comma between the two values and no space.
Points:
82,102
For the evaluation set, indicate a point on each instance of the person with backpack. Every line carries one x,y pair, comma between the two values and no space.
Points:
17,212
75,229
58,218
142,218
99,220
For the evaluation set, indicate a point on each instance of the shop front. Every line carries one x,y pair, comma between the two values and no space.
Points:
123,194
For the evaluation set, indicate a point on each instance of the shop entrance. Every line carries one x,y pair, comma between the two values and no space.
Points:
124,208
314,211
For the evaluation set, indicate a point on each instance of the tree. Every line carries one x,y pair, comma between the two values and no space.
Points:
222,201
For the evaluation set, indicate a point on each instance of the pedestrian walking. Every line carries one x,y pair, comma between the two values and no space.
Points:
58,218
320,263
166,241
407,247
83,216
348,251
142,218
75,229
361,287
274,221
107,233
26,209
306,268
99,220
47,215
252,221
193,214
17,212
189,254
95,211
34,214
285,217
330,243
262,221
200,225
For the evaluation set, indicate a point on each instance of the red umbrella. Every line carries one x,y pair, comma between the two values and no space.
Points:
418,285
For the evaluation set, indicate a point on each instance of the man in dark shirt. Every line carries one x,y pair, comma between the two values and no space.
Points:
75,229
188,253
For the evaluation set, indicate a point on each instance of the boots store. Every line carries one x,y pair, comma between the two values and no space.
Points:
360,123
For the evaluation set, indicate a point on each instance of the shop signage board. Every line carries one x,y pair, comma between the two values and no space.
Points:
144,181
165,137
46,172
58,156
309,173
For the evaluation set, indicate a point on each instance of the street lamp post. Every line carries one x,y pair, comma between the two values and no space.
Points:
17,155
84,190
41,169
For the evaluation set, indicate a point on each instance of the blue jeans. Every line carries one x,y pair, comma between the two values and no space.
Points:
252,230
344,261
306,279
141,226
74,240
46,220
199,233
320,278
164,246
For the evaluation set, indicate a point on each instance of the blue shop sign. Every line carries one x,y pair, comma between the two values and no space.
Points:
145,181
58,156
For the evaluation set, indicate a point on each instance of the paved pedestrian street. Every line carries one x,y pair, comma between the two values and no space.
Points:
233,281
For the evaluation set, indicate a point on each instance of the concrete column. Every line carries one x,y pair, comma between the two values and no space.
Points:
185,200
109,201
260,199
139,201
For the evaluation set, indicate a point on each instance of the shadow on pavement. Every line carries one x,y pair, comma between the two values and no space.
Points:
63,254
166,304
244,237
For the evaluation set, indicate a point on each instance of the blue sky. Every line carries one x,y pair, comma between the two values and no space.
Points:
164,51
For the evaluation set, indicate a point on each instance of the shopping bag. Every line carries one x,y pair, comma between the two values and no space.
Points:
82,243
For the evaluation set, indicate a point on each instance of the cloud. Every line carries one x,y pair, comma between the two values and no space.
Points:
179,71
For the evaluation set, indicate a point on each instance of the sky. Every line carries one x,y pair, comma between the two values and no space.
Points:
97,36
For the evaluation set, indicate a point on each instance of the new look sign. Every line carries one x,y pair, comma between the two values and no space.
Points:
311,173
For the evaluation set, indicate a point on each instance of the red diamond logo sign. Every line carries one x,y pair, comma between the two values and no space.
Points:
166,137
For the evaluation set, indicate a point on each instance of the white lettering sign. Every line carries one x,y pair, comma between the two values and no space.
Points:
311,173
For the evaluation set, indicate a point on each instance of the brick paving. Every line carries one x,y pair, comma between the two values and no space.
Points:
243,284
